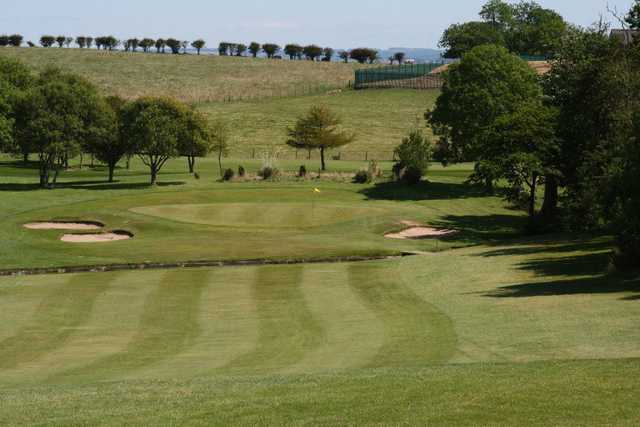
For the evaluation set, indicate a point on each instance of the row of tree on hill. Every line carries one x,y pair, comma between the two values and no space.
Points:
573,135
57,116
271,50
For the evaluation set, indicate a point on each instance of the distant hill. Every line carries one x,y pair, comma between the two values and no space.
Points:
419,54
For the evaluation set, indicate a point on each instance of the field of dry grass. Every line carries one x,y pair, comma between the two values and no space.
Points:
190,78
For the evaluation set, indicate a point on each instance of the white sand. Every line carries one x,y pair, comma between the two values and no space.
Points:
61,226
94,238
418,231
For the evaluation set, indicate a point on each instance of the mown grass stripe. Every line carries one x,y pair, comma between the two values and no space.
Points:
353,332
287,329
57,318
169,326
417,333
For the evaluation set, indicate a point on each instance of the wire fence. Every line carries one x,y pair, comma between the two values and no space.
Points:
304,155
286,92
410,76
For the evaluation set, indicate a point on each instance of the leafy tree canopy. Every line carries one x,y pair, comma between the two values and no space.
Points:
525,28
320,130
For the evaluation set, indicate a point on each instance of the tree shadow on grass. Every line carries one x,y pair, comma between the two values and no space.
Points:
423,191
583,286
482,228
87,185
580,267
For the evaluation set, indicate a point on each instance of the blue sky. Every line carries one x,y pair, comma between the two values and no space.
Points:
337,23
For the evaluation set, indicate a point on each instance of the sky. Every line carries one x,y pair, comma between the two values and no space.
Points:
336,23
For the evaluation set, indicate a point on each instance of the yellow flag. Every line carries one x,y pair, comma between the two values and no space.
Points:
316,190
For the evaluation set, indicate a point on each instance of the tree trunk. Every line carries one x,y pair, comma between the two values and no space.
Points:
191,160
532,198
25,158
550,204
220,162
128,161
92,161
112,167
154,174
81,159
55,179
324,166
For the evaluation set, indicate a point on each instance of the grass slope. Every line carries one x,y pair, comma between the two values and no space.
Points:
472,336
189,78
380,118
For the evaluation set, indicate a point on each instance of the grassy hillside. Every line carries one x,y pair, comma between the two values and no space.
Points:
190,78
380,118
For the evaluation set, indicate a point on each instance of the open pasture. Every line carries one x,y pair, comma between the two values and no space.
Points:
380,118
189,78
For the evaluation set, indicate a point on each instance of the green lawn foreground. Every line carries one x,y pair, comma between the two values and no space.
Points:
467,337
487,328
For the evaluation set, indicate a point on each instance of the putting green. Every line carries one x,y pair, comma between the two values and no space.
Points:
260,215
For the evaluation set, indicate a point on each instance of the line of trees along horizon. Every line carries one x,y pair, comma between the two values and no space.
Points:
270,50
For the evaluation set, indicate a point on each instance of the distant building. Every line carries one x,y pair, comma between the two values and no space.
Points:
625,37
410,61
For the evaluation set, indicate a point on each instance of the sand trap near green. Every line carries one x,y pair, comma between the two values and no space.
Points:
260,215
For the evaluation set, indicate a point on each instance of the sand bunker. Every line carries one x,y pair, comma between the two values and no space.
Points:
113,236
418,231
64,226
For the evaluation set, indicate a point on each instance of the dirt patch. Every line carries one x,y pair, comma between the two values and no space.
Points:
419,231
540,67
113,236
59,225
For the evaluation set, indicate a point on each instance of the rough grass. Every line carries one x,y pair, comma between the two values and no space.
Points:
380,119
190,78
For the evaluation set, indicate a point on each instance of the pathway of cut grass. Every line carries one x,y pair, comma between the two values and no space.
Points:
332,344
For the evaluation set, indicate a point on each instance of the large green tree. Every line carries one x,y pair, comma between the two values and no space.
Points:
55,117
519,147
293,51
196,140
15,78
319,129
488,83
633,18
459,39
595,85
109,143
525,28
198,45
156,126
